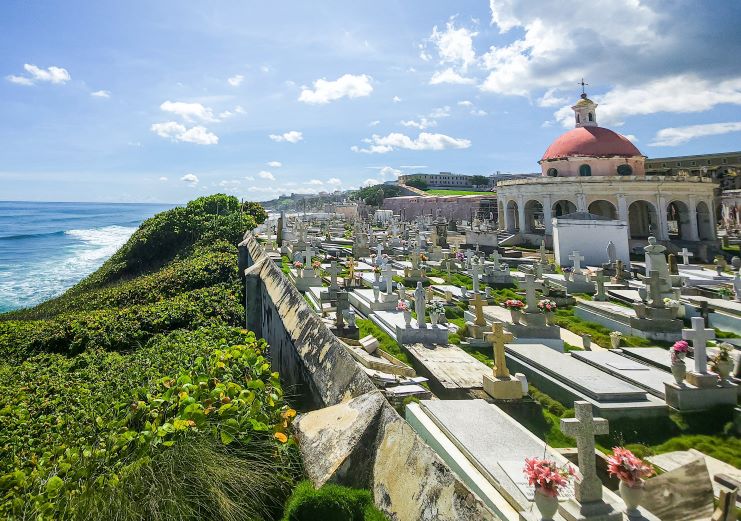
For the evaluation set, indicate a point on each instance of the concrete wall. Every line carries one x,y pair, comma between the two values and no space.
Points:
589,238
450,207
408,480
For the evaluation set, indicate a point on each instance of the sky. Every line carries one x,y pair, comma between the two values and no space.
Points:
163,101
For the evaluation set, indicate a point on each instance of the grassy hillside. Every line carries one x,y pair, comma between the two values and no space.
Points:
136,394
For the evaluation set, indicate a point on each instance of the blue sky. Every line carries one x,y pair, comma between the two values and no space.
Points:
167,100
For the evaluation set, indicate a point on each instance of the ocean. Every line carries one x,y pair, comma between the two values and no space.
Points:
45,248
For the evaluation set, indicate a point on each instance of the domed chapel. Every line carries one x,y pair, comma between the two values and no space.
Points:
596,170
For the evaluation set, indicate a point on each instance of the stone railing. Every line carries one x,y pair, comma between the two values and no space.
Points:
352,435
606,178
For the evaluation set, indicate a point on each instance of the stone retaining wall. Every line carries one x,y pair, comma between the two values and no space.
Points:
375,449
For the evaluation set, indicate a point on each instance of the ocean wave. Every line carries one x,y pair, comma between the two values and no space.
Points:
30,235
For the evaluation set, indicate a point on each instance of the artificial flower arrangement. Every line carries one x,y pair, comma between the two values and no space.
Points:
629,468
616,334
546,305
671,303
402,305
423,257
724,352
298,265
436,306
513,303
459,256
568,269
679,350
546,476
376,269
316,265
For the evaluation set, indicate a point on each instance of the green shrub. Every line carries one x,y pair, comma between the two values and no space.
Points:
331,503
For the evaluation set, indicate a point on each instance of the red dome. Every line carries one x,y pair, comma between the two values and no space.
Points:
591,141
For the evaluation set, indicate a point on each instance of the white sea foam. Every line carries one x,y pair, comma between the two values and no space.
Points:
56,271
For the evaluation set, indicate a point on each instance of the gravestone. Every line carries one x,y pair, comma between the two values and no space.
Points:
502,386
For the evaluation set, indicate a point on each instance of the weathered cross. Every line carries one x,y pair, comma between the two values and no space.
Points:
584,427
468,254
542,252
342,305
333,271
388,277
699,335
686,254
351,268
653,281
600,278
576,258
308,256
478,306
448,262
379,254
498,338
475,274
530,299
495,259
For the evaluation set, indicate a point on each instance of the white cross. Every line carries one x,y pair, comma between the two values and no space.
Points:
542,252
530,300
475,273
333,270
576,258
495,259
653,281
600,278
699,335
379,253
686,254
388,275
308,255
584,427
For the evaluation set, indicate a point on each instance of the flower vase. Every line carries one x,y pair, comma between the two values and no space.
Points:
376,293
549,318
300,272
434,317
632,496
614,342
408,318
316,272
679,371
516,314
724,368
376,276
547,505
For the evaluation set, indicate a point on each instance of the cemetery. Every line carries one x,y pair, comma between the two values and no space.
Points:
504,338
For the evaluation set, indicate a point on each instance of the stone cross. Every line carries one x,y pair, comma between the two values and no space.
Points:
468,254
379,254
584,427
333,270
448,262
308,255
538,270
478,306
342,305
699,336
388,277
498,338
419,305
576,258
686,254
600,278
351,268
475,273
495,259
543,260
653,281
530,299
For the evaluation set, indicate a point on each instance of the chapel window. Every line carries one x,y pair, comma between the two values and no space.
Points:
591,118
624,169
585,170
552,172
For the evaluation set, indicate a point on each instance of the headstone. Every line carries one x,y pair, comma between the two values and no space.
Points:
589,504
478,305
419,305
475,273
541,252
495,259
685,254
499,338
600,278
342,305
656,261
388,277
699,335
333,271
576,258
531,300
653,283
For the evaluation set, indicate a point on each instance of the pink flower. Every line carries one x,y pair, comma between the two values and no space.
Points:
546,476
627,467
681,346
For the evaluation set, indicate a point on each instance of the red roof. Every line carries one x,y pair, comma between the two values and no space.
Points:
591,141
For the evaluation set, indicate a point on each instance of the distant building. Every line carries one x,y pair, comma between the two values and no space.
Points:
724,167
458,181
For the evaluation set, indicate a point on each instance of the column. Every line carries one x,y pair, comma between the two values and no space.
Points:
521,213
663,231
548,214
507,218
693,235
622,209
713,224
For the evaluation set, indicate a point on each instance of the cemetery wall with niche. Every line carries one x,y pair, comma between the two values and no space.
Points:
376,448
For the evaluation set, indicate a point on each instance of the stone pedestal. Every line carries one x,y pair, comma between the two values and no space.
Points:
595,511
428,335
691,398
308,280
702,380
509,388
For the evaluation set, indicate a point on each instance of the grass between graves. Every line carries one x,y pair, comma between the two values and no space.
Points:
385,342
566,319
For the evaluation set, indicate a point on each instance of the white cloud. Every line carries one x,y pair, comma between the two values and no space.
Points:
178,132
226,114
454,45
422,124
266,175
316,182
54,75
412,167
191,179
230,183
274,164
396,99
550,99
236,80
249,178
671,137
347,85
163,179
425,141
479,112
374,123
189,111
292,136
631,137
465,103
333,181
440,112
101,94
370,182
450,76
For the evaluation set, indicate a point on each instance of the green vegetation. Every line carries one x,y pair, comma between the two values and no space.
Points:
135,395
331,503
566,319
385,342
374,195
418,183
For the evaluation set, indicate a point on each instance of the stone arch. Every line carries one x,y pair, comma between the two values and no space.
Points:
512,216
704,222
500,215
603,208
533,217
625,169
678,221
642,219
591,117
585,170
552,172
563,207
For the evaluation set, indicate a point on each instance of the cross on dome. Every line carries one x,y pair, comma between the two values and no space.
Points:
582,83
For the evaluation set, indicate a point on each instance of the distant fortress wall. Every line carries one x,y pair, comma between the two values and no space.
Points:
458,207
352,436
